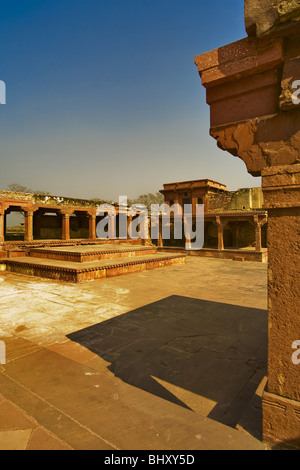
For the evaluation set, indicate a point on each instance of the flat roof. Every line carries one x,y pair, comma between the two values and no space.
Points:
201,182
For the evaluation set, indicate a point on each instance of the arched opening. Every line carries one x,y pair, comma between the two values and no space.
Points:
187,205
227,236
79,225
102,226
14,224
135,227
47,224
245,235
210,235
264,238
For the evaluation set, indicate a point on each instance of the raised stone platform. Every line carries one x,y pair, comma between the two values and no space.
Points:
73,242
86,253
88,263
233,254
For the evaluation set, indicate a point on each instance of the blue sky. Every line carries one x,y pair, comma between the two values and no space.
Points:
104,99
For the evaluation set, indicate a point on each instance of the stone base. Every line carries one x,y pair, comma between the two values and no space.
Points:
80,272
72,242
234,254
281,421
83,254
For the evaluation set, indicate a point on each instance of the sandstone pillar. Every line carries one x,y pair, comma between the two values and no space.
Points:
2,215
129,226
65,226
28,226
220,234
92,227
281,400
257,225
112,226
194,205
145,229
160,239
253,92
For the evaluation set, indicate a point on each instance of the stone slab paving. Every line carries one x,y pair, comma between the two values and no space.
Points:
169,359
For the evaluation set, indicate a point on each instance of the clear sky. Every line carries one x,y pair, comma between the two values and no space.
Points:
104,99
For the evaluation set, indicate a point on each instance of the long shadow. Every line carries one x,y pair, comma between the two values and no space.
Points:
205,356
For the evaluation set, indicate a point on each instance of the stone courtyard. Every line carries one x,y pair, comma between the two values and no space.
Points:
198,353
137,361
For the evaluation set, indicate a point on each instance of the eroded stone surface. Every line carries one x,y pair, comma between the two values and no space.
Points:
262,143
263,16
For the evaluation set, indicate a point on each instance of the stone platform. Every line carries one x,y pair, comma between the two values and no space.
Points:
86,253
85,263
235,254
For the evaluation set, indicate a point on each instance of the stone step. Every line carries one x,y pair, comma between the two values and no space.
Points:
73,242
87,253
78,272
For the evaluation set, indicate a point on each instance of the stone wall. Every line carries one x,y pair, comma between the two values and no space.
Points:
246,199
11,195
50,200
243,199
219,202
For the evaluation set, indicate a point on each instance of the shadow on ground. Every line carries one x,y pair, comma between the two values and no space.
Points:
205,356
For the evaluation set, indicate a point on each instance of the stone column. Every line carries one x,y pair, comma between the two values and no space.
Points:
145,229
194,205
92,227
2,215
257,225
281,399
160,239
28,226
129,226
220,234
253,93
66,226
112,226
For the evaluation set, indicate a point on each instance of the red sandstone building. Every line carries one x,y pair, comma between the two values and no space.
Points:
233,219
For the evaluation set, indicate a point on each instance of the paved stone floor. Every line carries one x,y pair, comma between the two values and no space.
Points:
173,358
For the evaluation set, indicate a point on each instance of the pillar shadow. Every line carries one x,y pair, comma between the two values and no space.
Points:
206,356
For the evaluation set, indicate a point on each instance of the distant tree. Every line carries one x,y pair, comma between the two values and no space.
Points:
148,199
19,188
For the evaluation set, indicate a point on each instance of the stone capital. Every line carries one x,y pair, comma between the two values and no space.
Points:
281,186
251,90
221,223
92,213
66,212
